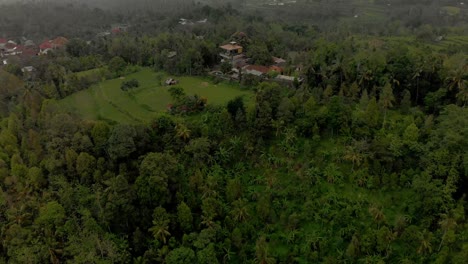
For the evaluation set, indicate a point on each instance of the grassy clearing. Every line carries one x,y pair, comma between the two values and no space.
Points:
88,72
106,101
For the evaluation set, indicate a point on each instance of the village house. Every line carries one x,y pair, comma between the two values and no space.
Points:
288,80
279,62
9,49
28,72
50,45
256,70
230,50
234,53
103,34
171,54
184,21
3,42
119,28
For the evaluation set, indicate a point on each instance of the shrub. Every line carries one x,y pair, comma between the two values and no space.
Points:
127,85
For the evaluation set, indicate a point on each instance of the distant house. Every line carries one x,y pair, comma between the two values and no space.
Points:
59,42
279,61
45,47
259,70
240,61
10,49
171,81
256,70
230,50
29,43
184,22
276,69
171,54
116,31
103,34
28,69
439,38
288,80
49,45
119,28
3,42
29,72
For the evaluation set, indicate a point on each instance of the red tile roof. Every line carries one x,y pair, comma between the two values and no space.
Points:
276,69
59,42
27,51
10,46
53,44
45,45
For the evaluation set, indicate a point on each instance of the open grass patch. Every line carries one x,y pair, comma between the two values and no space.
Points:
106,101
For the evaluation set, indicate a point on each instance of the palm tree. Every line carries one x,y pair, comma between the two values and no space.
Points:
457,78
261,252
332,173
223,154
366,77
208,221
227,255
462,94
292,236
425,242
417,75
377,214
386,100
240,212
353,155
401,221
160,231
182,131
447,223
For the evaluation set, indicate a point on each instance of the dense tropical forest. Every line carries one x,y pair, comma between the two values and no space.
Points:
361,158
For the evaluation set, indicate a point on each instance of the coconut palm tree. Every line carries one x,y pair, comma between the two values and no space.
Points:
160,231
353,155
377,214
386,100
261,252
447,223
457,78
240,212
425,242
182,132
462,94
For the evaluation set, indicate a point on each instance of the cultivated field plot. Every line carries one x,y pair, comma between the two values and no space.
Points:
106,101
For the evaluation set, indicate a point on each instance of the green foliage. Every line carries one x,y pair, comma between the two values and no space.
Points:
128,85
155,172
303,174
117,66
226,67
184,216
181,255
259,54
121,142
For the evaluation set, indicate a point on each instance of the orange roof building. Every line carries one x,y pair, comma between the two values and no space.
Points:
59,42
232,48
276,69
